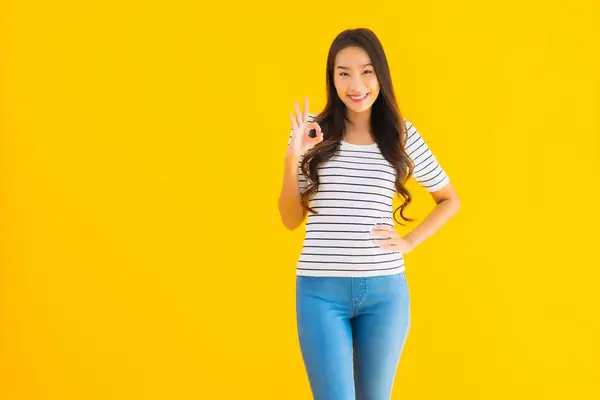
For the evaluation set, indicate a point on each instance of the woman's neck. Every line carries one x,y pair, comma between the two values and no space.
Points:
358,130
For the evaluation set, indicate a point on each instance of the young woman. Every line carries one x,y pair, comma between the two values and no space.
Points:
352,298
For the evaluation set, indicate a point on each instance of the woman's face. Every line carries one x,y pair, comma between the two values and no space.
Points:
355,80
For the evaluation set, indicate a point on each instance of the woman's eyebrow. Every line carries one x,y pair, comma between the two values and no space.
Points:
344,67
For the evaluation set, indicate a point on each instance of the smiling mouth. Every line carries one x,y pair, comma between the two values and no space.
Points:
358,99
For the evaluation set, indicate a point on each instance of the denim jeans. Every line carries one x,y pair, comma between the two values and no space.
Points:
351,333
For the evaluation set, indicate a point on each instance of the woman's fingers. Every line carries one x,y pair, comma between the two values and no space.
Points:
300,120
382,242
314,125
384,229
305,115
298,113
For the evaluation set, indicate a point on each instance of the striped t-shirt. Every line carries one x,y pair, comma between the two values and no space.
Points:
356,189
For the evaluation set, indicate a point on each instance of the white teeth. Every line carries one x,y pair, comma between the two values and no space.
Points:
359,97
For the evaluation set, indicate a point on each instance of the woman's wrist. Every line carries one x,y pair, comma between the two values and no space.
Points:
291,155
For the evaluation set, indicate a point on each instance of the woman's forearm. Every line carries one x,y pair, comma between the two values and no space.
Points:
290,208
434,221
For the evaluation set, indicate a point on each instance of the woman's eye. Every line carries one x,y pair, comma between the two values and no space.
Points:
366,71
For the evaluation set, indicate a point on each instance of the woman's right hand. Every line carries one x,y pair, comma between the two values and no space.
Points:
300,142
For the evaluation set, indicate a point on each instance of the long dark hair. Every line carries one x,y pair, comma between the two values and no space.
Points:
386,122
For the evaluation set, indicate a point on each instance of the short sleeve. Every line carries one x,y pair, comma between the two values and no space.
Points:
427,172
302,181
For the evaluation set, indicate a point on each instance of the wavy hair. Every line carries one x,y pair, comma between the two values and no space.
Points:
386,122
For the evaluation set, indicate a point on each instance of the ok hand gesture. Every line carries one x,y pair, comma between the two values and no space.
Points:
300,142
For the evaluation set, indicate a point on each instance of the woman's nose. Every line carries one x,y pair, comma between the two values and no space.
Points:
356,85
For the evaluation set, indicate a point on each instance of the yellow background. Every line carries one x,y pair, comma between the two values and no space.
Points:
142,145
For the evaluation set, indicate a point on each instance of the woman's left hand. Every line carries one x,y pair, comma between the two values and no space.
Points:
393,241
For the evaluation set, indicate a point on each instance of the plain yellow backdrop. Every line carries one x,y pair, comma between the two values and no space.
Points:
142,145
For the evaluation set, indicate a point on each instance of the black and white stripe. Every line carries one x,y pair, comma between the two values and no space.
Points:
356,192
428,172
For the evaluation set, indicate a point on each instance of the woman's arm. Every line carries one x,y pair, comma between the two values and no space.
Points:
447,204
290,209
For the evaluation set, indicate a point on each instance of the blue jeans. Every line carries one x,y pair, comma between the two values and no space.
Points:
352,332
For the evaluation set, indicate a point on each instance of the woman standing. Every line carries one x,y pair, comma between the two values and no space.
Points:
352,298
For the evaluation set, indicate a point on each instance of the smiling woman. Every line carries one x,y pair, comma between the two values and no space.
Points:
352,298
356,84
